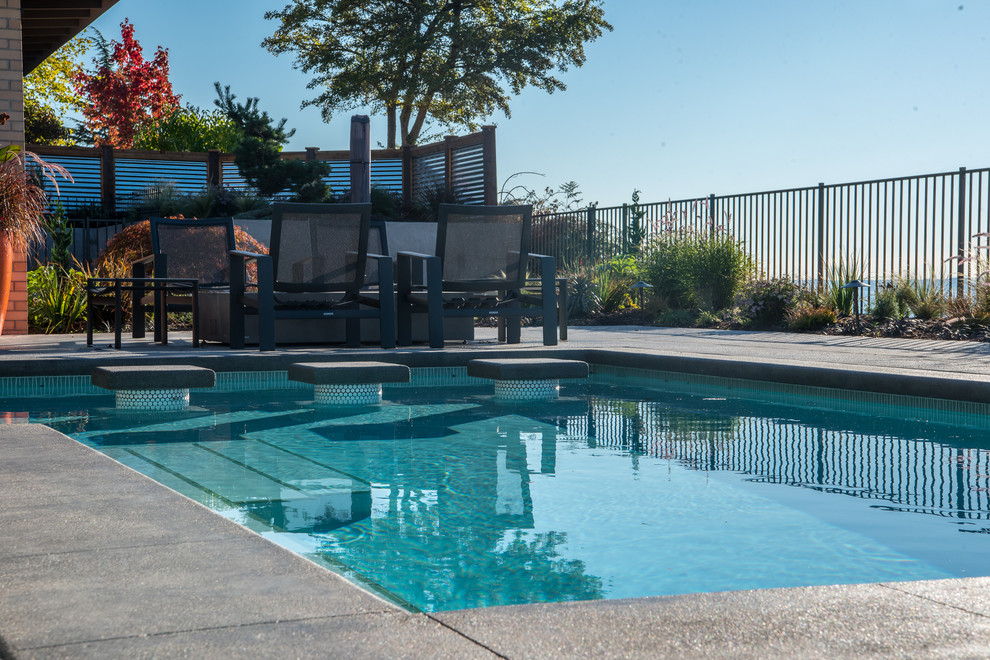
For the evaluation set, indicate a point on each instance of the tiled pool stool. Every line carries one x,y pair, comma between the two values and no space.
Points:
527,379
348,383
153,387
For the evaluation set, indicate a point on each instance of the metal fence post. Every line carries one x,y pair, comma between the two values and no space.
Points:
591,232
711,213
625,228
961,234
821,236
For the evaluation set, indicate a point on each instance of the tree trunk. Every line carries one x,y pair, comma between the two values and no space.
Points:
390,141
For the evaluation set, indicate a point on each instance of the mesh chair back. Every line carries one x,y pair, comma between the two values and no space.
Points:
198,249
483,248
319,247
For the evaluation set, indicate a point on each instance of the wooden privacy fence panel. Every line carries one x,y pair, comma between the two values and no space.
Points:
911,227
113,181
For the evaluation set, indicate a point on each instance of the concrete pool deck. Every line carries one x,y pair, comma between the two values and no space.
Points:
97,560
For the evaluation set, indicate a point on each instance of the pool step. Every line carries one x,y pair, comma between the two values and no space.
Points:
153,387
527,379
348,383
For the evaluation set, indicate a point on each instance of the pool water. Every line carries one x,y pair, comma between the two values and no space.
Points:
444,498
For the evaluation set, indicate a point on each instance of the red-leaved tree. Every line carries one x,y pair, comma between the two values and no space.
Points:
126,91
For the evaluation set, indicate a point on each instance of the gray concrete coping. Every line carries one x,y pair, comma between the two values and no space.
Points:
527,368
348,373
153,377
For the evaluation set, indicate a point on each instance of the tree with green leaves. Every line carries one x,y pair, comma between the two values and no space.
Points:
49,94
258,151
189,129
452,62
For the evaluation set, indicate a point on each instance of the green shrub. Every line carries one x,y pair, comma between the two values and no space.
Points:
886,306
692,270
56,299
766,303
837,276
924,296
603,288
678,318
806,317
61,232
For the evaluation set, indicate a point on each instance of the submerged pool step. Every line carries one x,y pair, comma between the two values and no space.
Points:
289,492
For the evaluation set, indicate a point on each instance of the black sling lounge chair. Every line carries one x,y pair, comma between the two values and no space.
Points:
479,269
316,269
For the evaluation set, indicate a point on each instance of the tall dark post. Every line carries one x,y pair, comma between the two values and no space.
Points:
591,232
961,234
214,173
488,164
711,214
407,177
448,162
108,180
821,236
360,159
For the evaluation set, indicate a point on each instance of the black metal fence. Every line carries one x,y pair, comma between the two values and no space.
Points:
914,226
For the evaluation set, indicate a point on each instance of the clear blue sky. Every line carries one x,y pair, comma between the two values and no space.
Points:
684,98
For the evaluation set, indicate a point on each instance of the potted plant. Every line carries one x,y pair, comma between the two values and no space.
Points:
23,204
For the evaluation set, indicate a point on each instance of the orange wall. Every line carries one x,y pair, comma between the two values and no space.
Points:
12,102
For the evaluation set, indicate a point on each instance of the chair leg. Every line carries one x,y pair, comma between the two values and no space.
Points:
266,305
352,332
548,295
434,297
266,328
89,315
403,310
386,304
118,321
138,310
513,323
562,308
195,314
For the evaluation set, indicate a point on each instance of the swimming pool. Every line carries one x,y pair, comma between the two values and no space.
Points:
632,484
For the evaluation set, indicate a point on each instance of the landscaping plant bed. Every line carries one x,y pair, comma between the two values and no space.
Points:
953,329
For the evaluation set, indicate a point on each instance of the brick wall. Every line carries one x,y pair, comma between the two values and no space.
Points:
12,102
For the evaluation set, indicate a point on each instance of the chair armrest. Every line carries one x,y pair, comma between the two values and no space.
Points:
242,254
404,270
417,255
548,264
139,267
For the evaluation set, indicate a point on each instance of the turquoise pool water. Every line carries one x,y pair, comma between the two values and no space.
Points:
630,485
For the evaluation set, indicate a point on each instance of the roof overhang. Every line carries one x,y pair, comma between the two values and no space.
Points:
46,25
